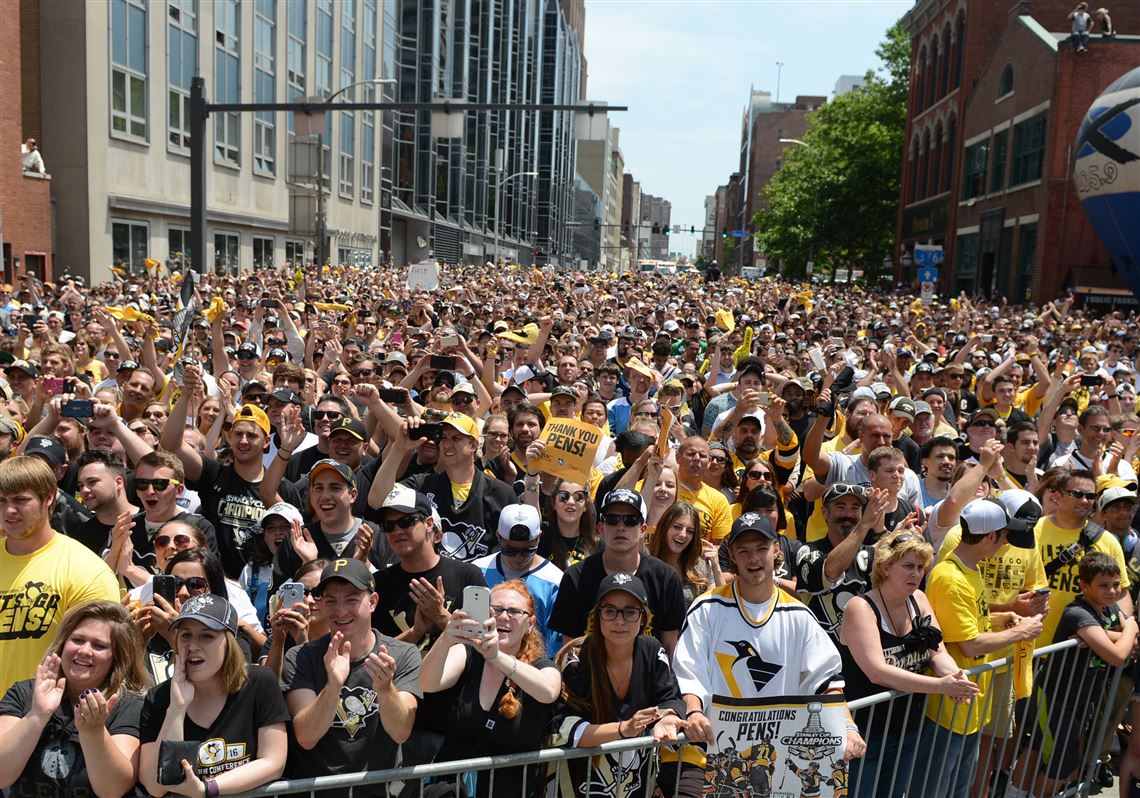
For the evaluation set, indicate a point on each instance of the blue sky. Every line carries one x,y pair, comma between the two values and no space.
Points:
684,68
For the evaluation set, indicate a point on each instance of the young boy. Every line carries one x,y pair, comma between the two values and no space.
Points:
1075,681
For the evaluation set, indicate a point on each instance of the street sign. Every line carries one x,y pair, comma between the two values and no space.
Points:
738,233
927,254
927,293
928,274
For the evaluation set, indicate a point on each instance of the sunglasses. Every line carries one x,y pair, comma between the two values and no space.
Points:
246,356
159,484
984,423
110,355
256,398
530,551
718,459
616,519
327,415
759,474
1082,494
179,540
361,373
608,612
565,495
407,522
462,399
194,583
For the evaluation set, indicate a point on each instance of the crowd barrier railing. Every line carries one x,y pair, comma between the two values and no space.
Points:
1046,743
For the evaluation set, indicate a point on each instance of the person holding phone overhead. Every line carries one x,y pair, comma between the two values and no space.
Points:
505,688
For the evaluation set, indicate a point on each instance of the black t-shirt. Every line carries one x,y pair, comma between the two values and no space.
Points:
579,589
300,463
89,531
651,684
474,731
233,506
231,740
826,599
911,451
899,514
286,562
470,530
56,768
356,741
1073,679
68,514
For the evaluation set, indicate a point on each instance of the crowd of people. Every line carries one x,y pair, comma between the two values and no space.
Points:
293,523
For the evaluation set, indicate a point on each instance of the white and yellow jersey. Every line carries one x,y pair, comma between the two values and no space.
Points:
729,647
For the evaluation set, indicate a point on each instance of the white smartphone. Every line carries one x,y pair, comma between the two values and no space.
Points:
449,341
764,399
816,356
477,604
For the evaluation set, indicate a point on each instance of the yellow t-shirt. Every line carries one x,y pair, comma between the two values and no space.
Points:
713,508
460,491
816,526
36,590
1051,541
958,597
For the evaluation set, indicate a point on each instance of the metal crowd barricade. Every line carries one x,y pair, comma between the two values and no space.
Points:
417,780
1046,744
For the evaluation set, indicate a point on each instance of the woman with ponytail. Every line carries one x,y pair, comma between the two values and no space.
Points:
505,688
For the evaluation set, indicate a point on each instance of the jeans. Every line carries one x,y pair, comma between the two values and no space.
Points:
950,768
1080,39
885,750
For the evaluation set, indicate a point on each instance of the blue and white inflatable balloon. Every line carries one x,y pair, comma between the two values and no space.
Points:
1107,172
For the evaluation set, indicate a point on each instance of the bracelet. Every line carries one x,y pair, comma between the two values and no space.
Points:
514,668
694,712
211,788
620,735
852,728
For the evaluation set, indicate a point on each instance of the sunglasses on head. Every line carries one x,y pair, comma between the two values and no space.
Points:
158,483
406,522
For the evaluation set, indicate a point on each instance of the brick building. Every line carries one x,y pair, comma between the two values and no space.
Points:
25,199
994,108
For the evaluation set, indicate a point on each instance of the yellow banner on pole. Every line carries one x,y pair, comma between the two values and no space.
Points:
570,449
666,425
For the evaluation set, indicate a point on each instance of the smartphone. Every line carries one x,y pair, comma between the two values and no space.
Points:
78,408
987,339
1044,591
477,604
1089,380
765,399
443,363
394,396
432,432
54,385
30,320
290,594
816,356
165,585
450,340
270,303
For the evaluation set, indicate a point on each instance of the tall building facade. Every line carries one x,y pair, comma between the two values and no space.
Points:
601,165
655,215
631,217
995,100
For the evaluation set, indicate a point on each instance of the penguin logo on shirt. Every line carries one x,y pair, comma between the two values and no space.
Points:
58,759
760,671
355,706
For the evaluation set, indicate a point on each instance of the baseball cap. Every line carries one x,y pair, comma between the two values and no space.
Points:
24,366
336,465
983,516
921,407
444,378
843,489
213,612
520,522
881,390
527,335
287,396
463,388
757,417
635,365
9,426
255,414
350,425
564,390
47,448
924,368
671,326
248,347
127,365
403,499
1115,495
904,407
353,571
751,522
523,373
463,423
1024,512
986,412
277,354
284,510
627,497
396,357
934,392
863,392
626,583
253,384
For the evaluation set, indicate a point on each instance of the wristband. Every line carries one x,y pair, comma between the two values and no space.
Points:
852,728
694,712
620,735
211,788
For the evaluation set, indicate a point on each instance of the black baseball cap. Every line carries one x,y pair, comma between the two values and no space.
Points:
213,612
350,425
48,448
287,396
751,522
353,571
627,583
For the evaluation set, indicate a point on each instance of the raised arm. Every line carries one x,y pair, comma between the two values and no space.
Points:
173,434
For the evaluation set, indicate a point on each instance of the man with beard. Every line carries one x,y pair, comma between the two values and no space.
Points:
939,457
467,500
329,410
102,489
526,422
798,398
229,492
838,567
39,567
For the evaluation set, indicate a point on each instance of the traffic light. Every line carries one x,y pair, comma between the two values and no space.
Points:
656,230
724,232
597,225
693,230
667,230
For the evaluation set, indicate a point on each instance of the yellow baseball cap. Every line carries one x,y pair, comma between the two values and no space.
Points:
256,415
463,423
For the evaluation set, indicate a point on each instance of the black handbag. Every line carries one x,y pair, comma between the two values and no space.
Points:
170,756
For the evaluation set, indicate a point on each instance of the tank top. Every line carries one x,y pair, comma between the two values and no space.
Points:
911,652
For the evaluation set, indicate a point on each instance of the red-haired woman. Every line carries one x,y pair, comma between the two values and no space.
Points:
506,688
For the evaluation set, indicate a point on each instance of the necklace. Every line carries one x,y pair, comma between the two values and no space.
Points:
890,618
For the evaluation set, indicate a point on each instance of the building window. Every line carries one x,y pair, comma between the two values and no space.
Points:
1001,152
1026,255
295,53
1005,84
324,81
128,68
347,154
368,118
347,170
129,246
181,66
226,249
262,252
227,82
264,76
974,179
1028,151
966,268
179,250
295,252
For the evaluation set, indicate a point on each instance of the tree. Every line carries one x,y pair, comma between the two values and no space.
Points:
838,196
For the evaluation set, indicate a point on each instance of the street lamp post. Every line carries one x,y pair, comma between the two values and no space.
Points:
815,200
499,198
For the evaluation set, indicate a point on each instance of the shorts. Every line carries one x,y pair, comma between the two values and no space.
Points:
1056,731
1000,691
